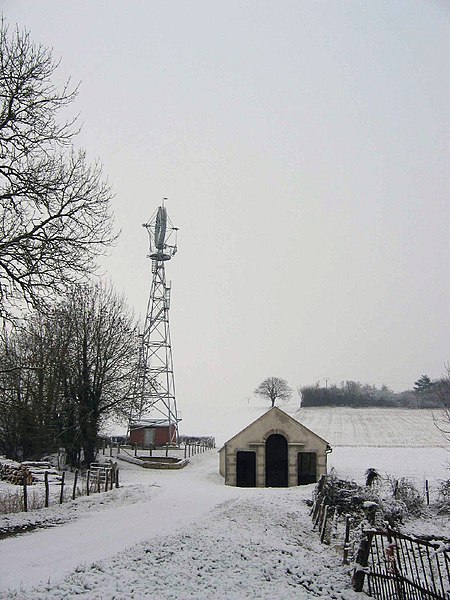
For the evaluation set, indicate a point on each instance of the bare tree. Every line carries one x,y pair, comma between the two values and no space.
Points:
274,388
441,391
103,356
80,362
54,208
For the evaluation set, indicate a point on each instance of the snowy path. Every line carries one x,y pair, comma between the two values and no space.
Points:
192,538
173,501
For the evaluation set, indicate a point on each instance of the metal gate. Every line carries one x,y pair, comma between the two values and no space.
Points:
405,568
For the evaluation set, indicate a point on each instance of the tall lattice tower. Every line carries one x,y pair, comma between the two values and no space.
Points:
155,384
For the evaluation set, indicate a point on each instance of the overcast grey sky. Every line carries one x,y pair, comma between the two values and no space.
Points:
304,150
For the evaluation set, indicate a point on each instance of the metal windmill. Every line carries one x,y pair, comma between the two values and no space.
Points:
155,384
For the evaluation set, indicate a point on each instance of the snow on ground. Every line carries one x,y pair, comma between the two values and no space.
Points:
193,538
382,427
418,464
183,534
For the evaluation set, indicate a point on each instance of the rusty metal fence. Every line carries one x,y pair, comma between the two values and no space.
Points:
387,564
400,567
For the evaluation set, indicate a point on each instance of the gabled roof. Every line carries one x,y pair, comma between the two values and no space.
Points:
278,412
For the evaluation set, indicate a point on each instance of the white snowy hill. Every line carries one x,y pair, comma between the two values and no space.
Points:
378,427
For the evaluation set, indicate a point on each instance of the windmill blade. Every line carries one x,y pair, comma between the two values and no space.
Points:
160,228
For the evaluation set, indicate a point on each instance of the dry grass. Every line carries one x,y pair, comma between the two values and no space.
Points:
12,501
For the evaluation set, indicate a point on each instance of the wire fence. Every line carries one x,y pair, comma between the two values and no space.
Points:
36,495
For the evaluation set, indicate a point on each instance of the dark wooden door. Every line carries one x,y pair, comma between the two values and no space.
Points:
245,469
307,468
276,461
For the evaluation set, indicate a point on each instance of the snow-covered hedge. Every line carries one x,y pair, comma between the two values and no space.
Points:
386,500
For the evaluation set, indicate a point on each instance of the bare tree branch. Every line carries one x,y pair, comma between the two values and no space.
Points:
55,217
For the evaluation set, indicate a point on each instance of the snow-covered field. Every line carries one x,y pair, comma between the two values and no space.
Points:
183,534
379,427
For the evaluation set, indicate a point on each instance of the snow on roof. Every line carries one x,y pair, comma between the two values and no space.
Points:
149,423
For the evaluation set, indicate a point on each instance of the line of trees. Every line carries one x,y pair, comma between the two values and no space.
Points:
64,372
359,395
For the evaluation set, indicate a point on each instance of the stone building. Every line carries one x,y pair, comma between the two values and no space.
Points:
274,451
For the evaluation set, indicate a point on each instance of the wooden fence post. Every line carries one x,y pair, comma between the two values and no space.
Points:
74,491
88,482
61,495
185,451
25,493
98,481
107,471
427,492
362,558
46,489
167,449
324,524
135,448
118,447
348,521
117,478
318,519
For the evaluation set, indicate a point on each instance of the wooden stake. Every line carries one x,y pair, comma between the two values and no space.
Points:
25,493
346,538
362,558
61,495
324,524
75,478
46,489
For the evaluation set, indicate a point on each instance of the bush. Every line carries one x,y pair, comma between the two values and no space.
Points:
443,502
405,492
389,500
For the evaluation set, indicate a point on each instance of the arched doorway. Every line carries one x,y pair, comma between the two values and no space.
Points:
276,461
